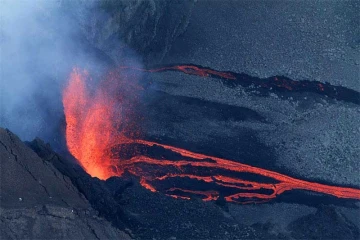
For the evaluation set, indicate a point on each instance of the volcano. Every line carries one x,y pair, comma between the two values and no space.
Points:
175,120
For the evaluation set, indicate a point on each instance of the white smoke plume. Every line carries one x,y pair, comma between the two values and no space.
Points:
40,43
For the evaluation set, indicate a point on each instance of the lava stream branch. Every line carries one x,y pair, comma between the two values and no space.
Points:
285,183
276,83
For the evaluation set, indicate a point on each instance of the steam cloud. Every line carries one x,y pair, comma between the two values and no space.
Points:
40,43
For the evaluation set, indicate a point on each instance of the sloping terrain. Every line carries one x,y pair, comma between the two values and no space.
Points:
37,201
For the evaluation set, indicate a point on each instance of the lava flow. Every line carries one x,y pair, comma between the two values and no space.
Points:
101,137
264,85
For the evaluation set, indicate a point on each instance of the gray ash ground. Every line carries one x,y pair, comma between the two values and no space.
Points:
310,137
315,40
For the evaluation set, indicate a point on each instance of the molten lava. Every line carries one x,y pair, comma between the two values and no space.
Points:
271,84
93,119
97,132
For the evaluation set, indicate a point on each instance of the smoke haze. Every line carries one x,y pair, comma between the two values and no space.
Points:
40,43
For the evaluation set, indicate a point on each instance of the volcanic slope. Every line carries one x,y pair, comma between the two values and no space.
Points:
37,201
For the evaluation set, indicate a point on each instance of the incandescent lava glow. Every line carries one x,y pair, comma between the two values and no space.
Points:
89,125
101,135
91,120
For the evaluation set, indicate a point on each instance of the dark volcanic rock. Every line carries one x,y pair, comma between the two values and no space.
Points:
27,180
163,217
48,195
94,190
38,201
55,222
148,27
326,223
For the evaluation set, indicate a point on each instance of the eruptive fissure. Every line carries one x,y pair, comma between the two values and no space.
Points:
271,84
100,129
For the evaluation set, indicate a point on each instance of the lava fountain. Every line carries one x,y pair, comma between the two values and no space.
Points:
93,119
101,134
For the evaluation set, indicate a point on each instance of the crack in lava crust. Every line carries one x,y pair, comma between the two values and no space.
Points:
95,127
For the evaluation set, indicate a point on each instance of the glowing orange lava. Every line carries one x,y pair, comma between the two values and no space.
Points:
94,126
277,83
91,121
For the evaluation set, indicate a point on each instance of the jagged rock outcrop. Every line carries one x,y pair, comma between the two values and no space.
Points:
95,191
37,201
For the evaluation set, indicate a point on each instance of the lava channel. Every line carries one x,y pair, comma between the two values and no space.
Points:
101,135
265,85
